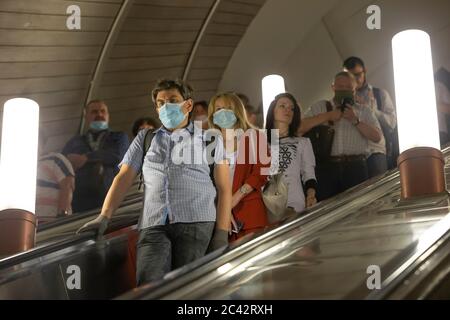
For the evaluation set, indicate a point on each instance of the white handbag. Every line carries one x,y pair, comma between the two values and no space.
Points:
275,196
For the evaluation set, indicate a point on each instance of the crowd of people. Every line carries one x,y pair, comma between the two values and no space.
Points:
191,207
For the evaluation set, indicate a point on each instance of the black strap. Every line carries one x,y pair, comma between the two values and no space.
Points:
149,135
377,95
60,163
443,76
390,135
329,109
211,166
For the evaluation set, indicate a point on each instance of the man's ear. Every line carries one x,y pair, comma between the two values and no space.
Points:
189,105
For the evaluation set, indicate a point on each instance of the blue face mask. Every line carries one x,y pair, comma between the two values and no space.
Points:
99,125
171,115
225,119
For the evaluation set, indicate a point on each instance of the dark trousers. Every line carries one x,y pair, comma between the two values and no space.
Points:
444,137
161,249
376,164
336,177
82,202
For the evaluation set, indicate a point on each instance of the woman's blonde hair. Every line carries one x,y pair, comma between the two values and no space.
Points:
235,104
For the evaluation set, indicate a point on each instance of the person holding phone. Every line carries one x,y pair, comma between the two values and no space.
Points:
354,125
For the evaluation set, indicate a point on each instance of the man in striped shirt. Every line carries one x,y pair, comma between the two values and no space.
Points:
54,186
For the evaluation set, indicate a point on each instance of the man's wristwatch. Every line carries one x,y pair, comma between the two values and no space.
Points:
243,189
356,122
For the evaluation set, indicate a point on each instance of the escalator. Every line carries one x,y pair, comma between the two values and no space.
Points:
48,270
65,227
331,252
363,244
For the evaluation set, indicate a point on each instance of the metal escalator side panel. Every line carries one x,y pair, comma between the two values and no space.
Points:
89,270
362,227
315,220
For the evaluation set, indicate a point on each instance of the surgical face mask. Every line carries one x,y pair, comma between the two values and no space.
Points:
344,97
225,119
171,115
98,125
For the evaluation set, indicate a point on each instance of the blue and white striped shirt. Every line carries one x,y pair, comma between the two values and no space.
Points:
174,192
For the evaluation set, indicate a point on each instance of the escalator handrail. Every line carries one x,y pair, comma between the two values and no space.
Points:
207,264
43,250
120,222
131,199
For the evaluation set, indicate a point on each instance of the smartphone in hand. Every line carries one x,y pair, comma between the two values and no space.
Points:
237,226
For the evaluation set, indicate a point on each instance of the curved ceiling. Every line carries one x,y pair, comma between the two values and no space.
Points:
124,46
306,41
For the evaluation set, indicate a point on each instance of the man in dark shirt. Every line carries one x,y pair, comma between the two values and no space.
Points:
96,155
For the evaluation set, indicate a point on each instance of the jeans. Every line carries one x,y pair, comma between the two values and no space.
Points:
161,249
376,164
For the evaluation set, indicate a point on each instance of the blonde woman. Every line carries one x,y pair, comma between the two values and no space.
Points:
226,113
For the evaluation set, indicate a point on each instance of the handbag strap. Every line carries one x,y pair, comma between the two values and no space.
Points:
329,108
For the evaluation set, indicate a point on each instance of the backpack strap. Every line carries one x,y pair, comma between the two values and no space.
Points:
329,109
149,135
211,166
377,95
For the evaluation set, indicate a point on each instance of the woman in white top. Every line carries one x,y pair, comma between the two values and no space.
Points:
296,156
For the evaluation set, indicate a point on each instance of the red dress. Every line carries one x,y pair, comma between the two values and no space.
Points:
251,210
